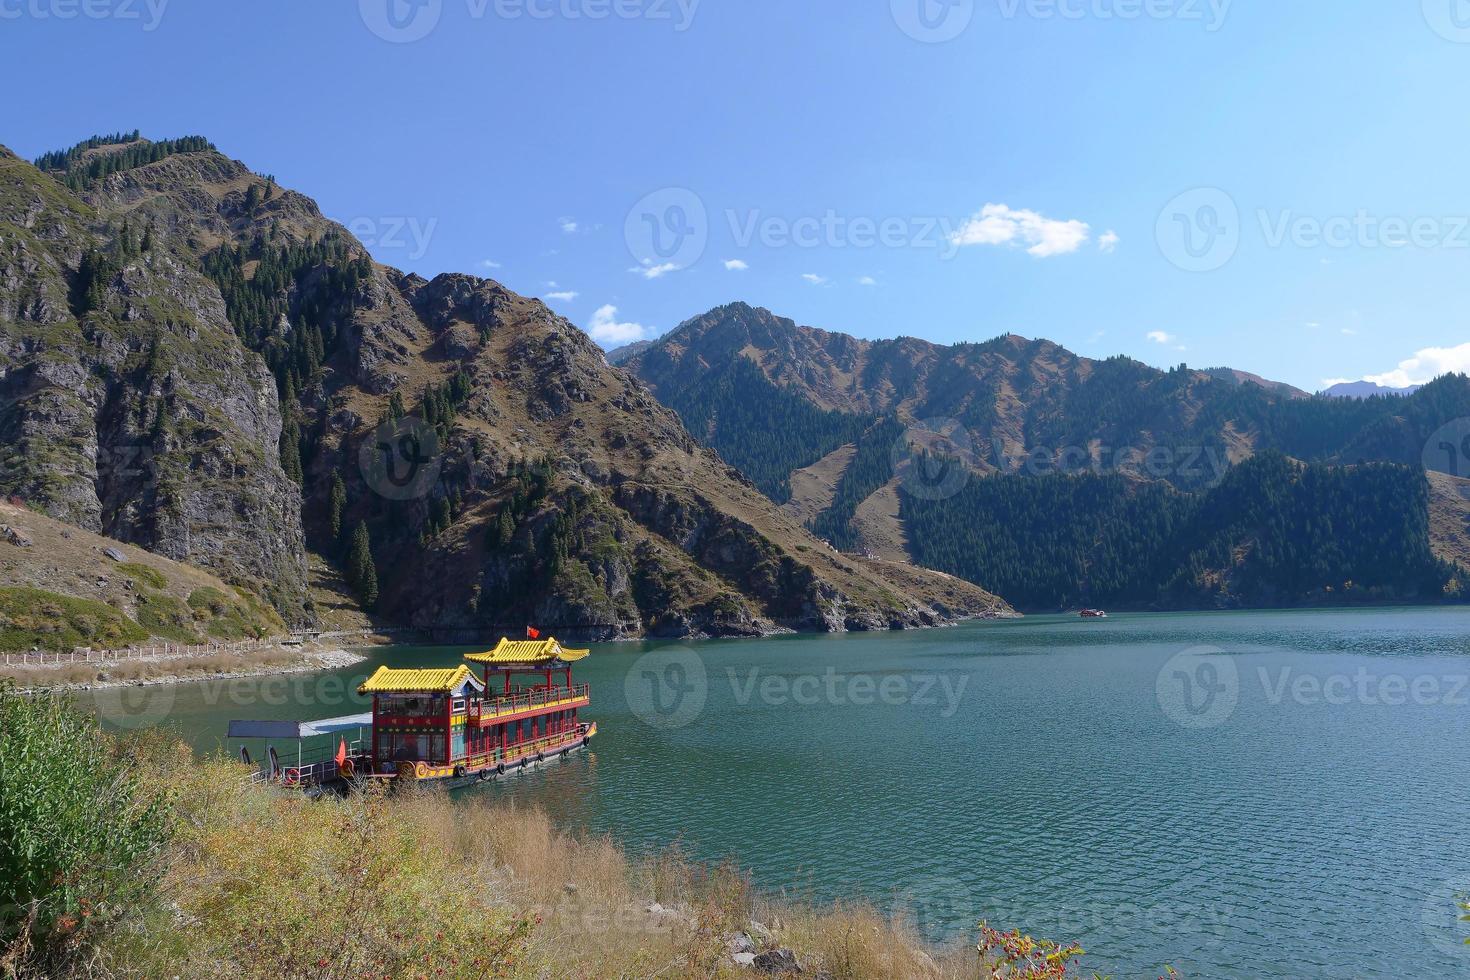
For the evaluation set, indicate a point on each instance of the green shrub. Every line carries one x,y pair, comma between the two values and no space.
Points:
77,829
165,616
36,618
150,577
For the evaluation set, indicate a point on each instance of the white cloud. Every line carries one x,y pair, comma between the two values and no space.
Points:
1160,337
1313,324
736,265
605,328
650,271
568,225
1108,243
1349,332
999,224
1425,366
489,264
867,281
565,295
814,279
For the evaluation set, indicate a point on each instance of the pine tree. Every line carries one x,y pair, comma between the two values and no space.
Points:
291,449
337,504
362,572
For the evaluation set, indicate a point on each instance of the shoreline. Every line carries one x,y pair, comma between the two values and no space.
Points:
310,658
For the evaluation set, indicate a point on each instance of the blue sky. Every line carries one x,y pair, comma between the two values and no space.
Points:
1280,187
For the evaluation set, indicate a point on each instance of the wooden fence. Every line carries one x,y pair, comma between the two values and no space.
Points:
166,651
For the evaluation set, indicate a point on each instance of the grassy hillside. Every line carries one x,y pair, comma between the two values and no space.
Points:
62,591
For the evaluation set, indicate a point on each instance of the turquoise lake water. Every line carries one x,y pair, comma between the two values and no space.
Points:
1255,795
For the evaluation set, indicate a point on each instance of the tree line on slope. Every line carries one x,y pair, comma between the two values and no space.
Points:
1273,533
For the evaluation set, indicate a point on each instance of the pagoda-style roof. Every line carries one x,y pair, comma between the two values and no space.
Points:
440,680
540,654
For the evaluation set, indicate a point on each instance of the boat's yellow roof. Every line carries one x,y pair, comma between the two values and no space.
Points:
442,680
527,652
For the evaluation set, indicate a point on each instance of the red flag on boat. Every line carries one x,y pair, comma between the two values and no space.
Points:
532,633
341,752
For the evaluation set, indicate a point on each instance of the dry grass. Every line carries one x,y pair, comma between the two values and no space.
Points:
256,884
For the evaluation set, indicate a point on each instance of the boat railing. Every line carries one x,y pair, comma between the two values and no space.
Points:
524,700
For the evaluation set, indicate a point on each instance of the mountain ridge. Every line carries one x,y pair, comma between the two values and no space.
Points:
561,492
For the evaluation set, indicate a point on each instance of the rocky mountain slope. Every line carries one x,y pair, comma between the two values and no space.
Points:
855,438
127,404
161,302
63,587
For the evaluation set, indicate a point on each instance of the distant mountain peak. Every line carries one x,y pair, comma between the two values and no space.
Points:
1366,389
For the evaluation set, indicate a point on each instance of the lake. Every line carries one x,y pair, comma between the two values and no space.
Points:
1280,794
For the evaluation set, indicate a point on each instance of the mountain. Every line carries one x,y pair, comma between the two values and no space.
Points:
1234,376
621,355
193,359
1366,389
903,448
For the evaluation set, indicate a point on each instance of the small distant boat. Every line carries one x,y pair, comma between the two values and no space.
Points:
1093,614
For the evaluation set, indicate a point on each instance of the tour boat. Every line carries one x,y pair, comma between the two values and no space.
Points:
1093,614
438,724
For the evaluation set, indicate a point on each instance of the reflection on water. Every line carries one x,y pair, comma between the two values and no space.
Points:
1286,800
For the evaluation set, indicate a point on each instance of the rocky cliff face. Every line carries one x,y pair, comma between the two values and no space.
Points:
502,471
127,406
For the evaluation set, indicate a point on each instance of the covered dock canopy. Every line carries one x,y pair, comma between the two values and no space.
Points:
545,654
298,729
